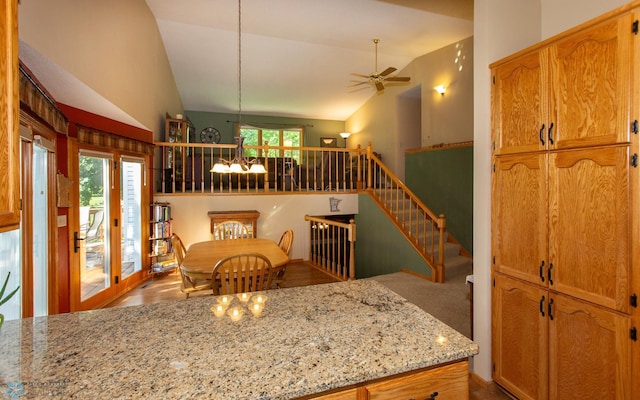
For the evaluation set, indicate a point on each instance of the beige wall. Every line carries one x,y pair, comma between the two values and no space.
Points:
114,47
383,121
502,27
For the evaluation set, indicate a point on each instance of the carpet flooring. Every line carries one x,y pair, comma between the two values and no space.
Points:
449,302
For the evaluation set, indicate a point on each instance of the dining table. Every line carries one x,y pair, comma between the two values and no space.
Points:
201,257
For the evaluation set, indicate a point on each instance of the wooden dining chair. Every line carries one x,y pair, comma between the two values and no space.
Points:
191,282
241,273
285,243
231,230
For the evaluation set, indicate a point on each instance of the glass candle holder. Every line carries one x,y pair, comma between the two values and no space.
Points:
260,298
226,299
219,309
256,309
235,313
244,297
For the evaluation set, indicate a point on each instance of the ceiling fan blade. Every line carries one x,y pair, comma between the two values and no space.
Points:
398,79
358,84
379,86
387,71
360,75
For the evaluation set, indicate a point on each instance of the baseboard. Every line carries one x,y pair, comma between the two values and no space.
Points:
489,385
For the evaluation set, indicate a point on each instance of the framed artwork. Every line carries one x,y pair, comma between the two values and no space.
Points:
328,142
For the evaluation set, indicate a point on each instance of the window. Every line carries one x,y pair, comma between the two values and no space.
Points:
288,140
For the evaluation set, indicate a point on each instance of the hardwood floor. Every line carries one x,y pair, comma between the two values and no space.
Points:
167,287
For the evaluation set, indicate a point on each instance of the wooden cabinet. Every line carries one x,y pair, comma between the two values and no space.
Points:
447,382
570,92
565,225
175,160
248,217
9,118
562,237
548,345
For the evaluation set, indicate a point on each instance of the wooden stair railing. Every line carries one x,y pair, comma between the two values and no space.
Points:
422,228
333,247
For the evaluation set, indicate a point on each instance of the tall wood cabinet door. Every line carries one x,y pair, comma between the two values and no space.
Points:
519,104
589,225
590,85
520,337
589,351
519,220
9,117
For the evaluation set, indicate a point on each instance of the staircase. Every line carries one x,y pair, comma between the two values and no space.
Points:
421,227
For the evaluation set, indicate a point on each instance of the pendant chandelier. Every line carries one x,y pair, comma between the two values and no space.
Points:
239,164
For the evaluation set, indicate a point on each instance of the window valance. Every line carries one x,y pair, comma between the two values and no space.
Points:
96,137
40,102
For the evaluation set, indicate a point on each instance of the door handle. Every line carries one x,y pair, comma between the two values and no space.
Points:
76,242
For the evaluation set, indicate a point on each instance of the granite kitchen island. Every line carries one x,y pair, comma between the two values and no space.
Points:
308,340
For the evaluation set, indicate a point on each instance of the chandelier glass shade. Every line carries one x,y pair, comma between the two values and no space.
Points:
239,164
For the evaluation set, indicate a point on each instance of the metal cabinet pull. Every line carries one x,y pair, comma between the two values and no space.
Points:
542,306
551,133
541,273
542,135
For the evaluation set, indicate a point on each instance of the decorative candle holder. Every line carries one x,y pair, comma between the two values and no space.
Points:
219,309
256,309
226,299
244,297
260,298
235,313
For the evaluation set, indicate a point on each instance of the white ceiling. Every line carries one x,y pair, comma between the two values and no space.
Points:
297,55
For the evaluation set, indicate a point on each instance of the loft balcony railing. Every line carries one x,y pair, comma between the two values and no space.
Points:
184,168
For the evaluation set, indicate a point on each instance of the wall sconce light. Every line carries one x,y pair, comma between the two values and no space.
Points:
441,89
345,136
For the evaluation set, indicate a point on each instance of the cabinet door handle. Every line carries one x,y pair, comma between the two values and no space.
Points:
549,274
541,273
551,133
542,135
542,306
549,309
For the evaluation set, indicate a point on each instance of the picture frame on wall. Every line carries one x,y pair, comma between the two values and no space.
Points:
328,142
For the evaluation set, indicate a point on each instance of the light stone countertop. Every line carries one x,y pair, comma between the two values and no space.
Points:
307,340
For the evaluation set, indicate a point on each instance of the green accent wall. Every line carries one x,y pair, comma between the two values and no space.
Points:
443,180
380,247
225,124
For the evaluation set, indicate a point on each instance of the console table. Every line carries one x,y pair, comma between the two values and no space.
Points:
248,217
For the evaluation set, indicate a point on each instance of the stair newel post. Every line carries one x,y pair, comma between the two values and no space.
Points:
369,166
352,249
440,266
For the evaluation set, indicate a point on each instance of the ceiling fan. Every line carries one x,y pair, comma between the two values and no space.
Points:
378,78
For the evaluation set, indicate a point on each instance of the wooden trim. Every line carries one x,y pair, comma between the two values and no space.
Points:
443,146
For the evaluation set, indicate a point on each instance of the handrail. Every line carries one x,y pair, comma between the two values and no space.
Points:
329,250
183,168
423,229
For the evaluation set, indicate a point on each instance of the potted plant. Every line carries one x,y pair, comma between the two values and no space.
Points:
5,299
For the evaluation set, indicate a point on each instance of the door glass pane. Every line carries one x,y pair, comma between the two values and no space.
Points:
10,262
95,269
130,200
40,228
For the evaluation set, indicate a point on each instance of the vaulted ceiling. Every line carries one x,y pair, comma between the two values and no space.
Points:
297,56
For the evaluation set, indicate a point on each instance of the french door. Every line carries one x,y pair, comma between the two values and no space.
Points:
108,233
